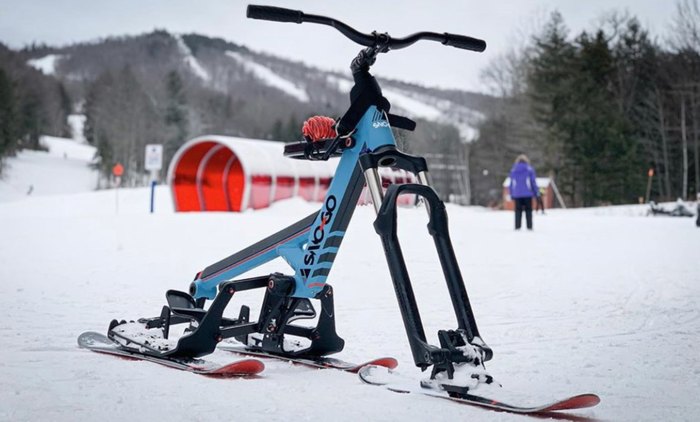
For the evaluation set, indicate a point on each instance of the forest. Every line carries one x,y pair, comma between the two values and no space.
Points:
599,111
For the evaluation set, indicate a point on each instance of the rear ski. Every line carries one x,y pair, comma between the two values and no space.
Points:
320,362
241,368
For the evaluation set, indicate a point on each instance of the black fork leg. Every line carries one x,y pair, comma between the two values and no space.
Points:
425,354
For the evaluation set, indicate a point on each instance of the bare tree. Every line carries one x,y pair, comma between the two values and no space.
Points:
685,39
685,32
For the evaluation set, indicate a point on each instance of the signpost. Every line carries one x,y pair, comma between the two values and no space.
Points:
650,175
153,163
117,172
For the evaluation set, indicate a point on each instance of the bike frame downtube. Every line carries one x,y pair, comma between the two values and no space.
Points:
311,252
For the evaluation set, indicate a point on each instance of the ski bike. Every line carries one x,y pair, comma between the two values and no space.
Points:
363,140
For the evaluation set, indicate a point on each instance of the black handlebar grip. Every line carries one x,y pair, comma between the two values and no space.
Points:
277,14
467,43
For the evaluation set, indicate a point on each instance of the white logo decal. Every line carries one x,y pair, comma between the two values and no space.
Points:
379,120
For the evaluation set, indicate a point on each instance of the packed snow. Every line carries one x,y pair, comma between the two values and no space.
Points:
76,122
270,78
593,300
46,64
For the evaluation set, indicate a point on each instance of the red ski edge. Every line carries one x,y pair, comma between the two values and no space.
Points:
577,402
389,363
580,401
237,369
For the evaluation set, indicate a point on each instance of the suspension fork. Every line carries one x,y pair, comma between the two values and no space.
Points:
424,354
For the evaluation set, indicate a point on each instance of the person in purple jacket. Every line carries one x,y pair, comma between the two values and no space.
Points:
523,187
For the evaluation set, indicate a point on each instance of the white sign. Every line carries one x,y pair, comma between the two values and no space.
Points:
154,157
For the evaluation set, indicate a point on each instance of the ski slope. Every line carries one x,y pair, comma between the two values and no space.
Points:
596,300
63,168
269,77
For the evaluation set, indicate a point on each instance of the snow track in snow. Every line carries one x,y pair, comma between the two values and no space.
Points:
191,60
269,77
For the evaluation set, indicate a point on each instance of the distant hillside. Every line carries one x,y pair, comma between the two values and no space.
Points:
165,88
31,104
232,70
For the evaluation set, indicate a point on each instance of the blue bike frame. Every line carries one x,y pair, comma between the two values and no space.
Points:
310,246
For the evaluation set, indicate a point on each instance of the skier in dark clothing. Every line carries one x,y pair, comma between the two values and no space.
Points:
523,187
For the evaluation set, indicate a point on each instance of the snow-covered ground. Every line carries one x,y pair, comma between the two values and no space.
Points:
64,168
594,300
76,122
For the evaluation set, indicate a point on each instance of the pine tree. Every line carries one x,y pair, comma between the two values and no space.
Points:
636,69
593,134
31,123
66,109
549,89
90,110
582,93
8,128
292,130
176,118
277,130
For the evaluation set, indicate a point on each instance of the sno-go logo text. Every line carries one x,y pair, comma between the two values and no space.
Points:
318,235
378,120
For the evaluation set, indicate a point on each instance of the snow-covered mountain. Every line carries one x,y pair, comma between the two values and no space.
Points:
260,80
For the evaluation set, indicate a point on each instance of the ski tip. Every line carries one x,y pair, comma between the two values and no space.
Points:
81,340
390,363
239,368
90,338
580,401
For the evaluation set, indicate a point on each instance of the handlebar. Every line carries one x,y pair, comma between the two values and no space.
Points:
277,14
280,14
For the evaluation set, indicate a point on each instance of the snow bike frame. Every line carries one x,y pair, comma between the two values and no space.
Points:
364,143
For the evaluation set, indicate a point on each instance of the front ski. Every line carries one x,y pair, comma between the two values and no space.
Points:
102,344
321,362
378,376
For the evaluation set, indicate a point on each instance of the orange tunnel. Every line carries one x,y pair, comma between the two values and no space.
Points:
224,173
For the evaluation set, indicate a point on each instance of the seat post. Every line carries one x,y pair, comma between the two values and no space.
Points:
374,185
